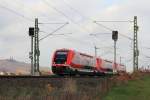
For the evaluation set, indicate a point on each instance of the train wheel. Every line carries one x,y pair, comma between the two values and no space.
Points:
76,73
95,73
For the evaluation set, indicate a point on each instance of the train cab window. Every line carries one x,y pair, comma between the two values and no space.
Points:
60,57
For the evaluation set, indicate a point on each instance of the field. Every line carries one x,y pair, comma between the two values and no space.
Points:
54,88
138,89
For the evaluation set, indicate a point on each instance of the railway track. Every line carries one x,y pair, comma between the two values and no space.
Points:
50,76
28,76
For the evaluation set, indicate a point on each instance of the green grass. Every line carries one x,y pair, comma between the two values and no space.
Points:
133,90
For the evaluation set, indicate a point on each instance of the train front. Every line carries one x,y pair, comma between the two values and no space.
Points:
60,63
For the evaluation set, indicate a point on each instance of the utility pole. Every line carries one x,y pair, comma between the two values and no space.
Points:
115,38
31,34
115,54
35,52
120,60
36,49
135,45
95,51
32,68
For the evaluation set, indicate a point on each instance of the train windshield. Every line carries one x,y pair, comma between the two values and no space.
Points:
61,57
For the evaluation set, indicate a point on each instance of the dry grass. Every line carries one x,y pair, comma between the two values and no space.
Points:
63,88
70,86
55,89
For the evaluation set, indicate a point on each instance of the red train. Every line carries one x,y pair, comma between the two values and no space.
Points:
71,62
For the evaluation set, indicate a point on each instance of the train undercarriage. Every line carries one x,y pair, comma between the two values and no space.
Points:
65,70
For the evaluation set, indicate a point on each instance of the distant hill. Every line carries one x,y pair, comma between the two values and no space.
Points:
13,66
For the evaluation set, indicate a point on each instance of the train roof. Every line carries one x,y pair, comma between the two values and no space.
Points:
108,60
83,54
63,49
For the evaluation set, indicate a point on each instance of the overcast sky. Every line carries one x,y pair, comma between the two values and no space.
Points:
18,15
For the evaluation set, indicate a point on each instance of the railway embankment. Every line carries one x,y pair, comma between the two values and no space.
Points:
74,88
79,88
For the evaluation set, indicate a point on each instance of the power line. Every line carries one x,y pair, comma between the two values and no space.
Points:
57,10
74,9
99,21
117,21
100,34
99,40
129,60
56,34
51,23
16,13
49,5
79,14
148,48
29,8
53,31
112,30
103,26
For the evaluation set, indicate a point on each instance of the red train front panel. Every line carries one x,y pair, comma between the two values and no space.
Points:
60,61
69,61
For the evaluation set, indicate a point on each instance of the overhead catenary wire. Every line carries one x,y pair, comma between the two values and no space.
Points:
66,16
40,23
59,11
74,9
21,15
56,34
52,23
112,30
148,48
118,21
29,8
98,33
16,13
145,55
99,21
53,31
